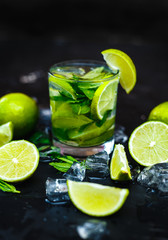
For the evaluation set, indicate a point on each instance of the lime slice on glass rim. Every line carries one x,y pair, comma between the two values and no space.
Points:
148,143
6,133
104,99
96,199
118,60
119,168
18,160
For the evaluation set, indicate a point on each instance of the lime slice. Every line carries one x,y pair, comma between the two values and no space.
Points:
18,160
104,99
118,60
91,131
159,113
70,122
105,136
148,144
119,168
62,85
96,199
6,133
96,72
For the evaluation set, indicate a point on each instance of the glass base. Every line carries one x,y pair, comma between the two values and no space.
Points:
84,151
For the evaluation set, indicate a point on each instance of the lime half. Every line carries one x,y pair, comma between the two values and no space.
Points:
18,160
119,168
118,60
104,99
6,133
96,199
148,144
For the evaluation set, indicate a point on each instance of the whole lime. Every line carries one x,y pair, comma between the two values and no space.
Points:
21,110
159,113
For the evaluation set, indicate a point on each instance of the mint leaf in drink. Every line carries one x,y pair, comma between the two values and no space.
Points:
80,109
6,187
89,93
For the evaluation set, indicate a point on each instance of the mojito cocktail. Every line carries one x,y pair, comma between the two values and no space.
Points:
83,97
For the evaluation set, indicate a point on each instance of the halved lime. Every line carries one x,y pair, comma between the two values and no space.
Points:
18,160
62,85
118,60
104,99
148,144
96,199
119,168
6,133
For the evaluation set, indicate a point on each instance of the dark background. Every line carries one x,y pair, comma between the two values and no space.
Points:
100,20
34,35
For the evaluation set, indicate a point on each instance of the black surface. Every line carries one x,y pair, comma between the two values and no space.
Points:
27,215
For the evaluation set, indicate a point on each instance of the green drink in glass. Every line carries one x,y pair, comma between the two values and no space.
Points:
83,97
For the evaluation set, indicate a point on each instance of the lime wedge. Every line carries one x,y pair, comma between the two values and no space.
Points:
6,133
104,99
18,160
119,168
62,85
118,60
148,144
96,199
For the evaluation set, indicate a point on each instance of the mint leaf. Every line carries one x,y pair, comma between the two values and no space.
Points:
6,187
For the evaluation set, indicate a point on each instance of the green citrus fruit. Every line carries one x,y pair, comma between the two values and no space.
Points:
6,133
18,160
159,113
104,99
118,60
119,168
148,144
21,110
96,199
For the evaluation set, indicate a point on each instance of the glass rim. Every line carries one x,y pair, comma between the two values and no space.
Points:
84,62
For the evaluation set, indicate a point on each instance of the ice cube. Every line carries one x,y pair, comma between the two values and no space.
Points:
56,190
92,229
119,134
97,165
76,172
155,177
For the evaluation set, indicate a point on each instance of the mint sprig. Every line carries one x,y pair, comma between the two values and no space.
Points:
6,187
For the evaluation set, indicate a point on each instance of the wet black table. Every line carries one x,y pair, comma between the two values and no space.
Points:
27,215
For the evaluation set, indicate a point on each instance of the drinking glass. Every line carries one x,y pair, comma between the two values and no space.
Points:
83,98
